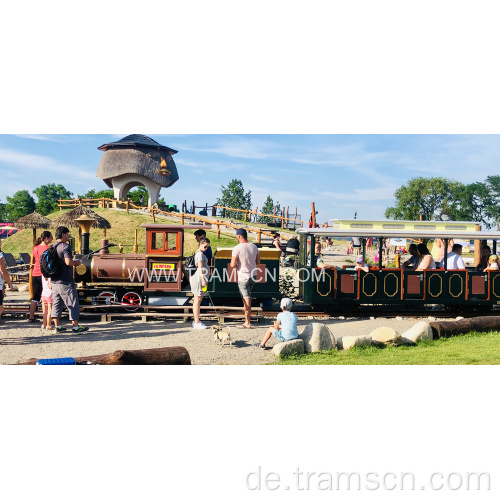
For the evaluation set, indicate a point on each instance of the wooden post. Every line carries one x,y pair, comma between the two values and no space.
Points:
313,208
477,248
259,231
282,220
246,215
218,230
182,218
136,247
60,206
153,213
194,208
127,205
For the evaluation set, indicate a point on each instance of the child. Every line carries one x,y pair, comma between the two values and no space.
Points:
46,303
492,263
361,264
285,326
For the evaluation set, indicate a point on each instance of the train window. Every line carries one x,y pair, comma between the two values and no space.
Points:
424,226
157,241
393,226
172,241
456,228
364,226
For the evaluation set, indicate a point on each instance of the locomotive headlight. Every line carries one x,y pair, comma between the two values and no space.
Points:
81,269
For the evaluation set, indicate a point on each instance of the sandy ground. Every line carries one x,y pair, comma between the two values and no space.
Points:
20,340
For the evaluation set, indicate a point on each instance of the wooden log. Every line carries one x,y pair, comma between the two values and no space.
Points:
160,356
466,325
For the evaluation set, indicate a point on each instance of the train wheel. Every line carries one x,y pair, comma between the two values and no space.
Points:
106,298
132,298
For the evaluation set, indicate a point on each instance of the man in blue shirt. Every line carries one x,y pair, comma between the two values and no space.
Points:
201,233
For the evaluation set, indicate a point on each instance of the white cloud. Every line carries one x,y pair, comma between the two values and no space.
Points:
255,149
40,137
42,163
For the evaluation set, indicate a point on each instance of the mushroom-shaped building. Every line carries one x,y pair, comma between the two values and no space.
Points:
137,160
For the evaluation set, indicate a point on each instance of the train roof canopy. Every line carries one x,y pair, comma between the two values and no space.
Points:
401,233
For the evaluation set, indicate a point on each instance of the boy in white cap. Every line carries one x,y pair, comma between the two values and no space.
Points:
285,326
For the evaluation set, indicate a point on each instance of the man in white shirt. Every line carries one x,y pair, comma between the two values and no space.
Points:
245,258
454,258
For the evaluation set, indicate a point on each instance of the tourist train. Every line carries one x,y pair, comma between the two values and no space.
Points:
156,278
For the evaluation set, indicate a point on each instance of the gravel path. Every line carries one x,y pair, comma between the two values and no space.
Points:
20,340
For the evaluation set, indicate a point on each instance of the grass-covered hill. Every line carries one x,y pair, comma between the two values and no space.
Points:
123,227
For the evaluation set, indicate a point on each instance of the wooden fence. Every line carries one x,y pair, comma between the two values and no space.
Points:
127,204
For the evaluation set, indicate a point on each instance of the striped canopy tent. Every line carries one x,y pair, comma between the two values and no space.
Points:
33,221
69,220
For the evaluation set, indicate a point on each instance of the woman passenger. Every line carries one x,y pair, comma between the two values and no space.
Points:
42,244
198,281
485,256
426,259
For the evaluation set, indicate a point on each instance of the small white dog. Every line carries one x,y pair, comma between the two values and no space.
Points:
221,336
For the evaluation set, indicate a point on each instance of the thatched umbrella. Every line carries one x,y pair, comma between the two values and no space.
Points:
69,220
33,221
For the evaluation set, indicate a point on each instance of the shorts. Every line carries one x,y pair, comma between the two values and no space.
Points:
36,281
46,300
195,282
245,288
279,335
356,250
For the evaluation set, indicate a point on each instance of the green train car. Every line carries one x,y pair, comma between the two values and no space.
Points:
344,289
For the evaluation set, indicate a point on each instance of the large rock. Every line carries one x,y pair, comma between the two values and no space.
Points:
353,340
420,331
317,337
386,335
295,346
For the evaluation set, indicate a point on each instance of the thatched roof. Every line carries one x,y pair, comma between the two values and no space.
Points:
136,141
140,155
68,219
33,221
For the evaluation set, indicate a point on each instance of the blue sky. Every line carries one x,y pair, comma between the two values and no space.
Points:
342,174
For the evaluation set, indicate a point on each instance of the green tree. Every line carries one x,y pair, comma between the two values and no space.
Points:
48,197
234,196
493,208
471,203
2,212
135,194
267,208
19,205
103,193
431,197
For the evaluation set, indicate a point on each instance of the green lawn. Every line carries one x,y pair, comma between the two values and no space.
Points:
123,227
471,349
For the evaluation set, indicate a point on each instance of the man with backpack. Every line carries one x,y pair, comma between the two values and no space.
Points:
63,286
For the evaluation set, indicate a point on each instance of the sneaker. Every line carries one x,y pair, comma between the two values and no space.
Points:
259,346
79,330
60,328
200,326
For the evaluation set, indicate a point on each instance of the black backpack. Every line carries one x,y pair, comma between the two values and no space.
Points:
50,262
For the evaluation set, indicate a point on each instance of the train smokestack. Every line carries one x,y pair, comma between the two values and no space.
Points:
85,222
